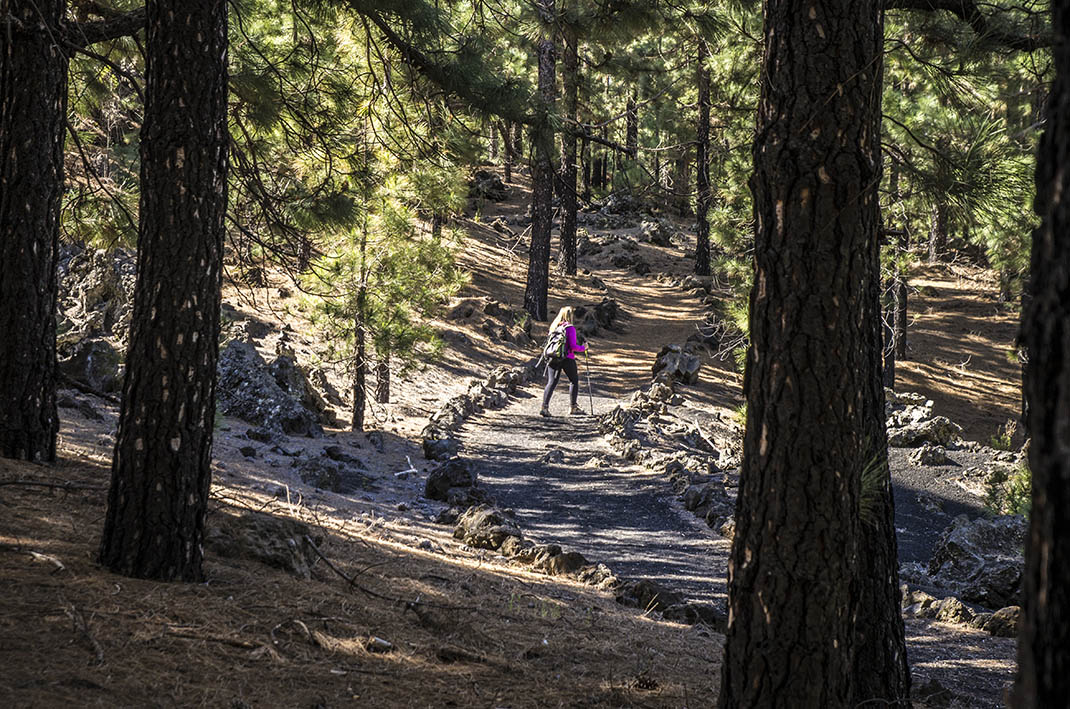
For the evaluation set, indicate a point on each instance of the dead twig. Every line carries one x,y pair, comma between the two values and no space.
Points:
82,626
409,605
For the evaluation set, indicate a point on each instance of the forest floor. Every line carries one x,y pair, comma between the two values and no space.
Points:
462,627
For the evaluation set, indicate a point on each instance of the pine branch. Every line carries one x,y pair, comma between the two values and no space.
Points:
494,96
968,12
83,34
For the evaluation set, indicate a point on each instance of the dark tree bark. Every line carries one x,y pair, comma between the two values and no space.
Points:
938,232
508,153
794,575
33,111
542,173
360,373
382,379
493,142
702,163
161,470
656,158
567,190
631,132
585,158
681,186
603,162
518,141
1044,635
360,337
900,295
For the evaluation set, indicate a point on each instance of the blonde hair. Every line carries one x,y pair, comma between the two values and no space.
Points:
563,315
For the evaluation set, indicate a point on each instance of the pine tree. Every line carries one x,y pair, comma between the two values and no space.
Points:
1044,635
814,324
542,171
161,470
33,108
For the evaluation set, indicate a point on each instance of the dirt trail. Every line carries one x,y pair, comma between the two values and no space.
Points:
588,501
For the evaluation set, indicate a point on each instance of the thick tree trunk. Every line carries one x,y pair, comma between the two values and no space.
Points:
1044,635
33,112
161,470
567,190
794,576
542,173
702,163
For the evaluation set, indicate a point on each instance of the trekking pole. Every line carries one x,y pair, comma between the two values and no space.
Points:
587,366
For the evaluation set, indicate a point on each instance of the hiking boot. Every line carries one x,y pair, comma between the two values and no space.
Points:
576,411
544,411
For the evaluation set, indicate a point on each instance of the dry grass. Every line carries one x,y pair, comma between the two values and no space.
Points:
462,631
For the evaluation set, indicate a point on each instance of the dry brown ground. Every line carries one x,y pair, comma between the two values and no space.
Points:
961,345
485,634
463,632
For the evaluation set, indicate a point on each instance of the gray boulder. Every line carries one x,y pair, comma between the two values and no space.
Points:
592,318
550,559
677,363
247,389
94,305
454,473
929,454
485,527
981,560
1003,623
296,381
486,185
326,473
440,449
938,430
93,361
598,575
658,232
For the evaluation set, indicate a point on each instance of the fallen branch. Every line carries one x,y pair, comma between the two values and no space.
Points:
61,485
85,388
409,605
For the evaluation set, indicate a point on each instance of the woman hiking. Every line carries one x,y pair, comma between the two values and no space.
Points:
567,363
